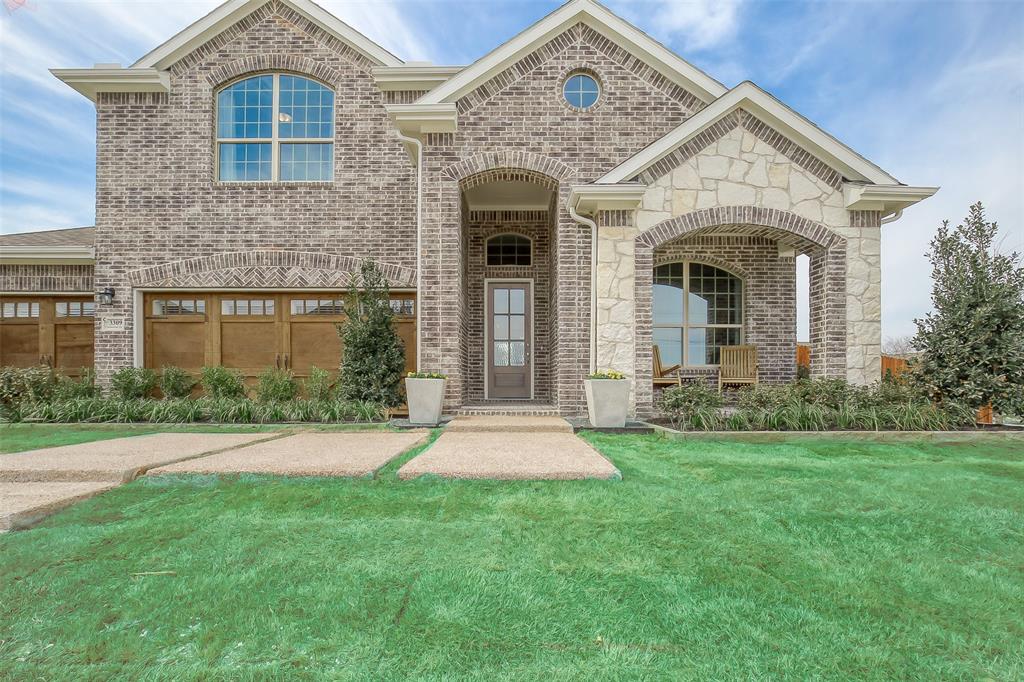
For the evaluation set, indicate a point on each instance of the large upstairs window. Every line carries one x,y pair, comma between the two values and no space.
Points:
275,127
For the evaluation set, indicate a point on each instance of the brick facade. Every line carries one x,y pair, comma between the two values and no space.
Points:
739,195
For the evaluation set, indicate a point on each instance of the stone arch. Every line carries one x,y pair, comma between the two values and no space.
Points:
809,234
273,62
264,268
509,161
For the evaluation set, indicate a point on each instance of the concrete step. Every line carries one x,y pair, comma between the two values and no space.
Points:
507,410
509,424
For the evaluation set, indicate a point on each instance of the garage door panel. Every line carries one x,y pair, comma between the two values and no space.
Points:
249,346
176,344
74,347
19,345
314,344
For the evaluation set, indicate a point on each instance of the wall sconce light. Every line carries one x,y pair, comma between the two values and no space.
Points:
106,296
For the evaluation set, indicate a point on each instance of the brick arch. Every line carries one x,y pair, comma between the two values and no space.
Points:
535,166
273,62
264,268
810,233
731,268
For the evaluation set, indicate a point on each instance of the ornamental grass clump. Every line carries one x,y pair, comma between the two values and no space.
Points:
132,383
276,386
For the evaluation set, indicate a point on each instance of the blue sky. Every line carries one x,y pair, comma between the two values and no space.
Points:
931,91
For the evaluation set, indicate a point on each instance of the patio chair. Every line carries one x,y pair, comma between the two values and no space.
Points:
663,376
738,366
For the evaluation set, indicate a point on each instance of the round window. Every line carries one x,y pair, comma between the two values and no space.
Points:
581,91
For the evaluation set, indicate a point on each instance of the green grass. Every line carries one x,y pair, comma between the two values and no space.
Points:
711,559
20,437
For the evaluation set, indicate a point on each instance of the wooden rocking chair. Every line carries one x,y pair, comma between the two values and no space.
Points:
663,375
738,366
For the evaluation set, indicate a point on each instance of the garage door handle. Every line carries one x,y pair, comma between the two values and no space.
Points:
287,361
277,360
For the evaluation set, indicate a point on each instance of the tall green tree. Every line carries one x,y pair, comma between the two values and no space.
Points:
972,343
372,356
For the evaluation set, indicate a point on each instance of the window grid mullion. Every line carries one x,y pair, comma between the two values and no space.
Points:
274,118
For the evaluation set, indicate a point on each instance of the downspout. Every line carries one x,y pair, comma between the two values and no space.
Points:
893,218
593,280
419,238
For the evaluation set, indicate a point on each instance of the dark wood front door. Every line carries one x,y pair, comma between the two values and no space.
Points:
509,340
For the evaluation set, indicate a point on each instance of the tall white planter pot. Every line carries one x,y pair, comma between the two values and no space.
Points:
425,398
608,402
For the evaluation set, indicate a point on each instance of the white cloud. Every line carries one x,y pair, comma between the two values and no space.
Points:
693,25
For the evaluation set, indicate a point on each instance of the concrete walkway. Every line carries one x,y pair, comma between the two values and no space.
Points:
307,454
510,448
37,483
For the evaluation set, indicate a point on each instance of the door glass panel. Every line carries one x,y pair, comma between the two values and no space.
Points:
517,329
500,354
500,327
517,301
517,353
501,300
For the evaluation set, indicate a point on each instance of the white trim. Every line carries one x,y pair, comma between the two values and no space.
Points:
888,199
487,325
597,17
89,82
412,77
593,198
233,11
138,328
748,96
84,255
414,120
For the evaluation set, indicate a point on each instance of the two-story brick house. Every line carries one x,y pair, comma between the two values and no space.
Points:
571,200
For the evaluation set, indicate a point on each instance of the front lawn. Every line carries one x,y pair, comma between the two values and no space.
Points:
709,560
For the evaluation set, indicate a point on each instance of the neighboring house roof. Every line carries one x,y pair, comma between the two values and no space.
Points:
74,245
597,17
73,236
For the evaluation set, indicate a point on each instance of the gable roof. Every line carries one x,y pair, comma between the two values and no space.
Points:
73,245
597,17
233,11
72,236
748,96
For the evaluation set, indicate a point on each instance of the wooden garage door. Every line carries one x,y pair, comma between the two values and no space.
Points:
50,330
251,331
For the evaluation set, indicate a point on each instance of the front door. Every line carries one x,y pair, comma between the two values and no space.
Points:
509,340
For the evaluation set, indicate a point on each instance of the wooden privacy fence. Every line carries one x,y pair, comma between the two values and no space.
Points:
890,364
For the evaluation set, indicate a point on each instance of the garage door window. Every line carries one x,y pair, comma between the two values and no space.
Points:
21,309
76,308
179,307
318,306
247,306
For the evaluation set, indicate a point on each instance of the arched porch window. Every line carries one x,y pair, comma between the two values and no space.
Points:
698,308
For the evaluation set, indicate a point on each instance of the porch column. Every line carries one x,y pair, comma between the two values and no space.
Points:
863,297
442,285
616,293
828,311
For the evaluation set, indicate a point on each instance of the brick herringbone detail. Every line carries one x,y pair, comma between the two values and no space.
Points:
264,268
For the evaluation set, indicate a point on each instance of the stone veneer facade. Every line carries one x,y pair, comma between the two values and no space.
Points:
739,195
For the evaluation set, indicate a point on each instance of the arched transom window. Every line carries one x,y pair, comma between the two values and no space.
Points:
509,249
698,309
275,127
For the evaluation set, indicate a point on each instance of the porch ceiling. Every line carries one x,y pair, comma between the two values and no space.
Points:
499,196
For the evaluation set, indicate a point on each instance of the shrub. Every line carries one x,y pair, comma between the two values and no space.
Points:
84,386
221,382
176,382
25,384
426,375
276,386
692,405
971,350
129,383
373,356
318,385
607,374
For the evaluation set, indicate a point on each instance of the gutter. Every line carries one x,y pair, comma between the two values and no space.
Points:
415,142
593,280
